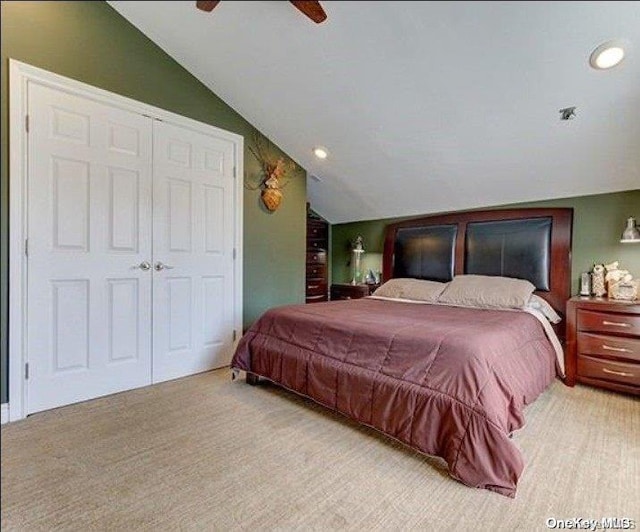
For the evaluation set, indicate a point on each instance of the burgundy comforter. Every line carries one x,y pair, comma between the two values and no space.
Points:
448,381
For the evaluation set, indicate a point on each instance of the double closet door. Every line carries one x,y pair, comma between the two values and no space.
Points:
130,268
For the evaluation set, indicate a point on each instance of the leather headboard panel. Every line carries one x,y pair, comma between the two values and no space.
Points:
510,248
425,252
512,242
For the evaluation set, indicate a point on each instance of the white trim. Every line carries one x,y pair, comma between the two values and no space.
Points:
238,177
56,81
4,410
17,231
20,75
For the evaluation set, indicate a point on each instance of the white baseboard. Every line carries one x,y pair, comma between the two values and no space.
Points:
5,412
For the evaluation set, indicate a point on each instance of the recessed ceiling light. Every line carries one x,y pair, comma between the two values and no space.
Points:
607,55
320,152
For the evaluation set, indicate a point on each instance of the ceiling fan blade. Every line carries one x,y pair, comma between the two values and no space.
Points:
311,9
206,6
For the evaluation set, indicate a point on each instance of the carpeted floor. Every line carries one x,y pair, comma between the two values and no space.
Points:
206,453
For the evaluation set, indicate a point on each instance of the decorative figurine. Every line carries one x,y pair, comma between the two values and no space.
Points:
597,281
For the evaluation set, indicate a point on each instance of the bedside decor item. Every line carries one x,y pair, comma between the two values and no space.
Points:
631,233
624,290
357,249
371,277
274,172
585,284
620,283
372,264
613,274
597,281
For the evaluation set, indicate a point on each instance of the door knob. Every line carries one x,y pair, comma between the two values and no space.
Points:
144,266
160,266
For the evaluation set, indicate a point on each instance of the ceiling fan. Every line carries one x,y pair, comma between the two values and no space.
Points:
311,9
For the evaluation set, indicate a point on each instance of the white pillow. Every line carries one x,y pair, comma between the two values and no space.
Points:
485,291
414,289
541,305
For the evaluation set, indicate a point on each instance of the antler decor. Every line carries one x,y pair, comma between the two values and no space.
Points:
274,172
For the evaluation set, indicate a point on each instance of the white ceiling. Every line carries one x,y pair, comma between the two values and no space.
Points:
423,106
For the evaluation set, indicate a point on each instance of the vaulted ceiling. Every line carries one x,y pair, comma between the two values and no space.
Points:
423,106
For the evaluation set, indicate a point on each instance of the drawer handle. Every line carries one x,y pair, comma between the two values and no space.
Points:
616,323
618,349
313,286
620,373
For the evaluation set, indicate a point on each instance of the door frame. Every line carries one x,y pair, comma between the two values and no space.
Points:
20,75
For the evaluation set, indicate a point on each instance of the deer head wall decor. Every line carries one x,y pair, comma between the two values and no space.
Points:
274,172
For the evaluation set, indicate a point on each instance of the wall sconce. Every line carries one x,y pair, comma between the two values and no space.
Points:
357,249
631,234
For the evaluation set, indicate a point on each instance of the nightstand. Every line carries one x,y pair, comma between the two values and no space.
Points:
603,343
351,291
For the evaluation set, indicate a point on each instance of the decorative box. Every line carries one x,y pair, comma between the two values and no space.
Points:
627,290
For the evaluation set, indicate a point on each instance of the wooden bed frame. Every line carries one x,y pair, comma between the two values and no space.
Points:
559,267
461,412
560,255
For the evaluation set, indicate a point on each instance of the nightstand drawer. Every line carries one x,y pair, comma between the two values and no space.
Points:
608,322
609,346
609,370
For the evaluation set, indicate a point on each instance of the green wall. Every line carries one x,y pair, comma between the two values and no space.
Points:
598,222
91,42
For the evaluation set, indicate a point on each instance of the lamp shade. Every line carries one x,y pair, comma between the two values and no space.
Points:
631,234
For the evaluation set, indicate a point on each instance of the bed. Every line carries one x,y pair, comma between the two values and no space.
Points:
444,378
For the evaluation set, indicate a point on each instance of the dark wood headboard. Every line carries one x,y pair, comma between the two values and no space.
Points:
469,242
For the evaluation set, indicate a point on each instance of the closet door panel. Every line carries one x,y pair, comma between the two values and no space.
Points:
193,305
89,227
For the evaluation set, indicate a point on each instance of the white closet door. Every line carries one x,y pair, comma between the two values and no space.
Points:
89,228
193,208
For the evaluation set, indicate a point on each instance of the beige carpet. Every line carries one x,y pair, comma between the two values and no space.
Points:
206,453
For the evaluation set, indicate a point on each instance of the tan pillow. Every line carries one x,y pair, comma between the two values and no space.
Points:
486,291
415,289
